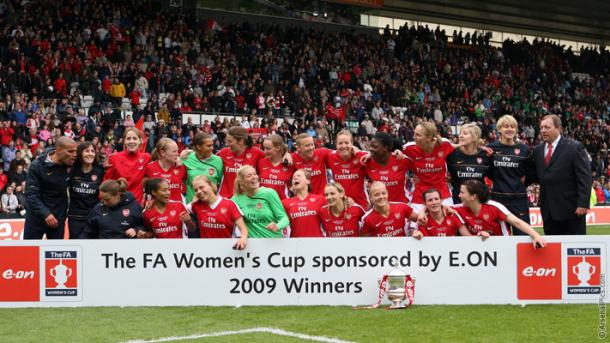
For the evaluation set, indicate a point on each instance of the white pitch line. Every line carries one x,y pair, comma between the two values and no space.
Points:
274,331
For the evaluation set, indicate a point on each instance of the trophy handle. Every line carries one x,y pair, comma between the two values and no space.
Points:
592,269
53,272
69,272
575,270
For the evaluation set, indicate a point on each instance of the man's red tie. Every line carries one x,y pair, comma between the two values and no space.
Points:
549,154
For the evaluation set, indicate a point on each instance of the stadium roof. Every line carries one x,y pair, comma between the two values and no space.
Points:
583,20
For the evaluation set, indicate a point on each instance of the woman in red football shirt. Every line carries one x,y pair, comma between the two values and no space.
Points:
312,159
347,170
439,223
303,209
272,171
428,155
480,214
164,166
165,218
216,216
240,151
338,217
129,163
386,168
386,219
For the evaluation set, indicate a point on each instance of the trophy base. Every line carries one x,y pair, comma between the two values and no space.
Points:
397,306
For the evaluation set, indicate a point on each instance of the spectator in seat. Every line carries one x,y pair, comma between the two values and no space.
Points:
19,175
9,202
117,92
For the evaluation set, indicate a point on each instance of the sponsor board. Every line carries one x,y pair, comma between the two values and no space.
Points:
40,273
325,271
596,216
561,271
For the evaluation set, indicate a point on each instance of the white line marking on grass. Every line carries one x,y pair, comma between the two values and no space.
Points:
274,331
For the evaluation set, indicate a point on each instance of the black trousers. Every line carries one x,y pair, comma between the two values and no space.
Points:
35,229
576,226
520,208
76,226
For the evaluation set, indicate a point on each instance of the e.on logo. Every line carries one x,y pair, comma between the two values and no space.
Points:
19,274
539,272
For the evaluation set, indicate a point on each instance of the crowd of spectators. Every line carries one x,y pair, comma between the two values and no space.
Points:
55,56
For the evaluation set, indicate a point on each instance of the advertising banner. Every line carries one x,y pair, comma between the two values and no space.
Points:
327,271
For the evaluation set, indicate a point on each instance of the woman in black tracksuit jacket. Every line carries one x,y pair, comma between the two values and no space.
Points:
118,215
85,179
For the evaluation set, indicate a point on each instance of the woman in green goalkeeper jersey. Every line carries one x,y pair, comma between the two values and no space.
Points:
201,161
261,206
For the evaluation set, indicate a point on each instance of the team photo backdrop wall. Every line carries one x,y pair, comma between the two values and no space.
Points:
452,270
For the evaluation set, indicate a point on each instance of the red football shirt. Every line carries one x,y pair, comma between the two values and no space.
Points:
130,167
393,175
350,174
448,227
168,223
346,224
316,167
304,215
217,220
374,224
275,177
232,163
175,176
430,169
491,218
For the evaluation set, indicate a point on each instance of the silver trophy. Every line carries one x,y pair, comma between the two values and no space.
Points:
397,287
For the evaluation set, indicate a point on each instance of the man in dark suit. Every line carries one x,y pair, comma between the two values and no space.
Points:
561,166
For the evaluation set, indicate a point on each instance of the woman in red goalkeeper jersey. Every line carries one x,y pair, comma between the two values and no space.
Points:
481,215
129,164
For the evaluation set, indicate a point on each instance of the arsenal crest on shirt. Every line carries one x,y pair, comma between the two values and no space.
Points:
479,160
440,154
172,213
248,155
94,177
259,206
397,215
211,171
223,210
517,151
125,212
486,216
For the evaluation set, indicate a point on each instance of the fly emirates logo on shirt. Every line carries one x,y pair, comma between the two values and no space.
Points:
560,271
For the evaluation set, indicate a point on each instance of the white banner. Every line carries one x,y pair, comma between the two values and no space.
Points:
452,270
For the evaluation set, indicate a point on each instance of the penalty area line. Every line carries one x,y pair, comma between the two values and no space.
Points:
273,331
